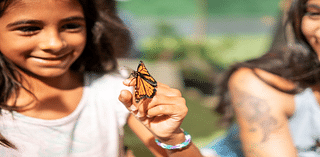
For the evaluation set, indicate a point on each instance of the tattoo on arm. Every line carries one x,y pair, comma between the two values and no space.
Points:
256,112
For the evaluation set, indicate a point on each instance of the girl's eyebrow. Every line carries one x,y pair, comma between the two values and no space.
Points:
313,6
72,18
23,22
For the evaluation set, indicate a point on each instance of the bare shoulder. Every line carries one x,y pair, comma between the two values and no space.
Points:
262,111
246,76
253,84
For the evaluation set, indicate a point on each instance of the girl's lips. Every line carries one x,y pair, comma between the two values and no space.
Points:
52,58
59,61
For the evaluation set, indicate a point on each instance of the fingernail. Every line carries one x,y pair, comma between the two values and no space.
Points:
139,114
133,108
120,98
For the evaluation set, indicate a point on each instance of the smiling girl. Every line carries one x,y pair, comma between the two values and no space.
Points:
59,88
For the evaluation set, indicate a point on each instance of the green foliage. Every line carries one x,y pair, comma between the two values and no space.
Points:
220,50
166,45
174,8
243,7
163,8
236,48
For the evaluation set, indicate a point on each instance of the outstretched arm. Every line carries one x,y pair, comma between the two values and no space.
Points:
159,117
262,114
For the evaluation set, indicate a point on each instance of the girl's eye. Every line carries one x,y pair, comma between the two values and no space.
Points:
313,13
72,27
29,29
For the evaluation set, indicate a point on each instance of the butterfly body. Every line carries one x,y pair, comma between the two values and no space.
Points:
145,83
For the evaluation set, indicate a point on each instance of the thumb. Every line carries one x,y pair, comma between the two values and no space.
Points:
126,98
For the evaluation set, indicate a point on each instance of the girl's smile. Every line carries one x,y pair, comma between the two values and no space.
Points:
43,38
58,61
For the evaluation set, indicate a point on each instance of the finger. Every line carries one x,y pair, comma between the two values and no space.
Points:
126,98
173,107
166,90
163,100
167,110
161,97
166,100
162,85
142,107
130,82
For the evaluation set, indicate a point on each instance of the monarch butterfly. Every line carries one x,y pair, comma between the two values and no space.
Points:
145,83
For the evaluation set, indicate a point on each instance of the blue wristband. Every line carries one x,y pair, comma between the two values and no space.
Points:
178,146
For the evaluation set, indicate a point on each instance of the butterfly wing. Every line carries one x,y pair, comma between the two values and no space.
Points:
143,72
143,89
145,83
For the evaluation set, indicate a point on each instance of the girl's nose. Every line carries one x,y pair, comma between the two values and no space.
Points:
52,42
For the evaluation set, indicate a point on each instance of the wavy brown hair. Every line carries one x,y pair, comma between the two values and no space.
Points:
107,37
294,60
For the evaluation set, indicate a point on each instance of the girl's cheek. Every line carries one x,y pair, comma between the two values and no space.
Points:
310,29
77,40
18,45
306,27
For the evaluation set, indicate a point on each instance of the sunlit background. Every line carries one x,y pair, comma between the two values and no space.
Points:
187,44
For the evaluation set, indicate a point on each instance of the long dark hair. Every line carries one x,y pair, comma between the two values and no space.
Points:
294,60
107,37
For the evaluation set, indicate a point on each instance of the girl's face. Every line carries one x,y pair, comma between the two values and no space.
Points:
310,25
43,37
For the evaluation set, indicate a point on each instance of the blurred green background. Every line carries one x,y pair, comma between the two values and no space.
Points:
198,39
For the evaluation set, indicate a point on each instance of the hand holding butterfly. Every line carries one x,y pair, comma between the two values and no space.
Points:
162,116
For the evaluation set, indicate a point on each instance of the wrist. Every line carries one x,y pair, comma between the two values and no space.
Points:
178,142
175,138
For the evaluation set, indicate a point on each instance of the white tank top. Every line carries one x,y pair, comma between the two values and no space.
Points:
93,129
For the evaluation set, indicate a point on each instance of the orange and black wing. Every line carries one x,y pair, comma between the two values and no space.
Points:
145,83
143,89
143,72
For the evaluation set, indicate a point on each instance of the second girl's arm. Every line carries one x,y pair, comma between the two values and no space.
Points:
262,114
